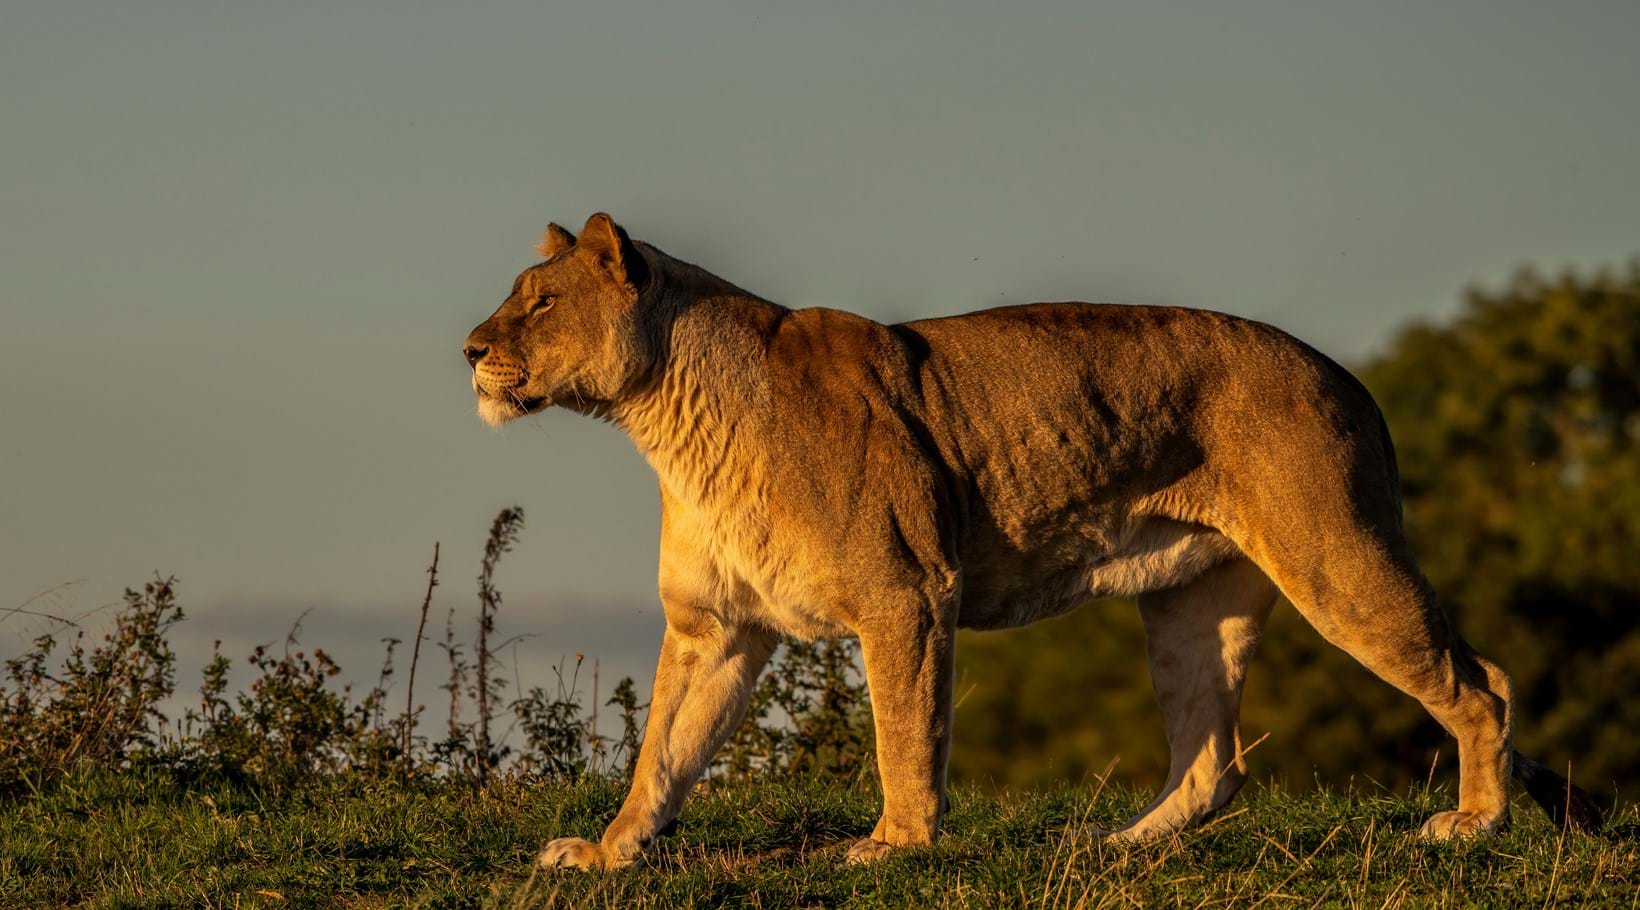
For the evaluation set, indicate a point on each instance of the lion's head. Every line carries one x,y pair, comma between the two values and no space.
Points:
574,331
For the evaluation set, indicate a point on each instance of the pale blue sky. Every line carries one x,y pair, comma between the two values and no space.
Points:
241,243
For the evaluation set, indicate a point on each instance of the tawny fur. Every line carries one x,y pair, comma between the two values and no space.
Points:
822,474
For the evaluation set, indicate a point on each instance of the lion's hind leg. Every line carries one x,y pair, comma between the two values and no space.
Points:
1201,636
1370,600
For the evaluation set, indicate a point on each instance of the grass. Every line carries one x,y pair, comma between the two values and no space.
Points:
145,838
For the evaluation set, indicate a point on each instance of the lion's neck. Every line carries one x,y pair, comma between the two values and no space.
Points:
699,419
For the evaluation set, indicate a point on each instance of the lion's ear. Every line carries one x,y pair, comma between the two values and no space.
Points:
554,241
606,244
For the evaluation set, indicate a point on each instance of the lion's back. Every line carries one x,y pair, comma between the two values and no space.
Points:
1130,400
1146,362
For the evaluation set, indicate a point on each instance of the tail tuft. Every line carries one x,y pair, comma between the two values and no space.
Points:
1565,802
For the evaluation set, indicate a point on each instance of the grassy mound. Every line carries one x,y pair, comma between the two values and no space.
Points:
150,838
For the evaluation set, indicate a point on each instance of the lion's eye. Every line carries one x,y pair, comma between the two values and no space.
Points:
543,303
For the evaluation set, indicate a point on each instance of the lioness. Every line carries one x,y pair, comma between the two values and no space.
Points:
822,474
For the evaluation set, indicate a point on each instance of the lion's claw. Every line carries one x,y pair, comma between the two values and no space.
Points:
866,850
1455,824
571,852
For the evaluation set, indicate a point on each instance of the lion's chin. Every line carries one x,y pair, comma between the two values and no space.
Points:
497,411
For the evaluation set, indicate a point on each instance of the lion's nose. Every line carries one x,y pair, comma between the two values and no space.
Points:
475,353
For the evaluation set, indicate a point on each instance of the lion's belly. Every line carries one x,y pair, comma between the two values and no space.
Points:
1004,589
774,581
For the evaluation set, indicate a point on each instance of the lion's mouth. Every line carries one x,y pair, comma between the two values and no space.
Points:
512,400
497,406
528,405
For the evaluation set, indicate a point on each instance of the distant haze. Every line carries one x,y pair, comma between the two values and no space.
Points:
240,244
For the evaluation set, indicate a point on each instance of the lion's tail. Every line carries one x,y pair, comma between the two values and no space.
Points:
1565,801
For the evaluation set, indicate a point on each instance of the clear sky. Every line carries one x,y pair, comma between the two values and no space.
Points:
240,244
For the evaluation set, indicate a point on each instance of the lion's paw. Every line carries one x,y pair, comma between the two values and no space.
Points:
1140,831
1125,837
1455,824
571,852
866,850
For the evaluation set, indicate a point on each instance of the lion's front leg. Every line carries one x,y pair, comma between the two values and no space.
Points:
908,654
702,682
